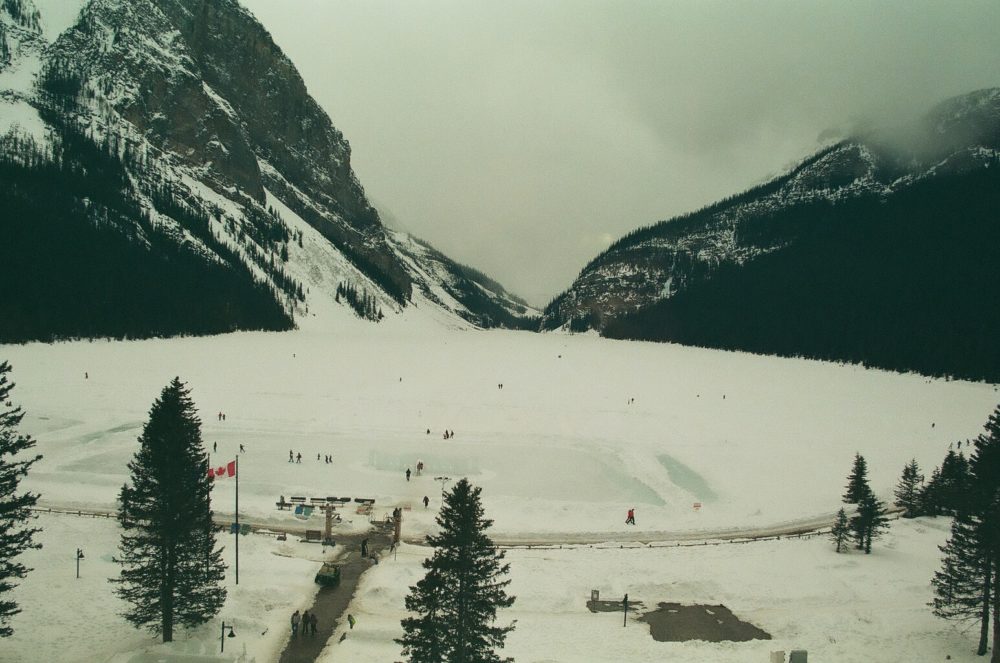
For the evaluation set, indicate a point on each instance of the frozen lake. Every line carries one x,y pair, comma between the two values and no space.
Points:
582,430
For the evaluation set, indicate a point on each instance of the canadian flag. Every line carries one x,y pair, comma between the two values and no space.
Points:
227,471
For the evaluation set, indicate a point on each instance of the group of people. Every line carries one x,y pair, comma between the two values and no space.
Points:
222,416
420,469
297,457
448,434
307,620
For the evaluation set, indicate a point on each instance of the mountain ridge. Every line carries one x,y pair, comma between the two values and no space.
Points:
625,291
219,148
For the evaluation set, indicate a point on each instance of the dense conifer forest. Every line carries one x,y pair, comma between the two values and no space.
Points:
83,258
907,284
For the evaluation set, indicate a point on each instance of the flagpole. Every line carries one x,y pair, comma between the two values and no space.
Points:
237,520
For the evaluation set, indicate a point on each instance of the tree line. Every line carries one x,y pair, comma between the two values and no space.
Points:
967,585
89,260
905,283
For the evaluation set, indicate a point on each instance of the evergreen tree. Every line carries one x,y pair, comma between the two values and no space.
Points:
15,509
840,530
984,482
857,481
457,601
869,522
172,572
968,585
930,495
962,586
425,638
954,488
908,490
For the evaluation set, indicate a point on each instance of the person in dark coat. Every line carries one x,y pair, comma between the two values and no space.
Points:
305,622
312,623
426,501
407,474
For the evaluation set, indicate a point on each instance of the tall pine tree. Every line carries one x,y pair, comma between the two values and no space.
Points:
857,482
15,508
908,490
962,586
968,584
172,571
984,481
457,601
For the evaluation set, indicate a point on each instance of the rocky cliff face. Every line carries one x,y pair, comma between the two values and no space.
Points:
222,147
655,263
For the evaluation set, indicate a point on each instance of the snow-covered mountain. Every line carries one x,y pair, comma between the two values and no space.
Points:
882,249
654,263
183,180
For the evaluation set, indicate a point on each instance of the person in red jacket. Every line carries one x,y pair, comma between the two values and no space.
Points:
631,517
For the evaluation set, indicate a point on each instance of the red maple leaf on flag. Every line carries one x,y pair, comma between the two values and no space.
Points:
227,471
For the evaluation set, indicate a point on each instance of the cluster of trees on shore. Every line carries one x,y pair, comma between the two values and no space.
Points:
967,586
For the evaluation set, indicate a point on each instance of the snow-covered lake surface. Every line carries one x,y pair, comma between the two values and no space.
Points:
561,451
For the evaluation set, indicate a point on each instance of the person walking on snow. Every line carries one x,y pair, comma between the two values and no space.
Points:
630,520
296,618
426,501
298,458
351,620
407,474
291,457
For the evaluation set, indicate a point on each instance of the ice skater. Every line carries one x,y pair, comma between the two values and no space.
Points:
630,520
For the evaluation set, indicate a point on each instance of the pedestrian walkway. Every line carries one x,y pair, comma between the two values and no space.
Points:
331,603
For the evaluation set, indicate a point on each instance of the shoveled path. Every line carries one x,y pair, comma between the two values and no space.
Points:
331,602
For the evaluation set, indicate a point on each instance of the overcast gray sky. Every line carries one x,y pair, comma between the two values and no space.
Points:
522,137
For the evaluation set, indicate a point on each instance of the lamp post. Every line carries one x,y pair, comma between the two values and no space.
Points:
79,556
222,635
443,481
